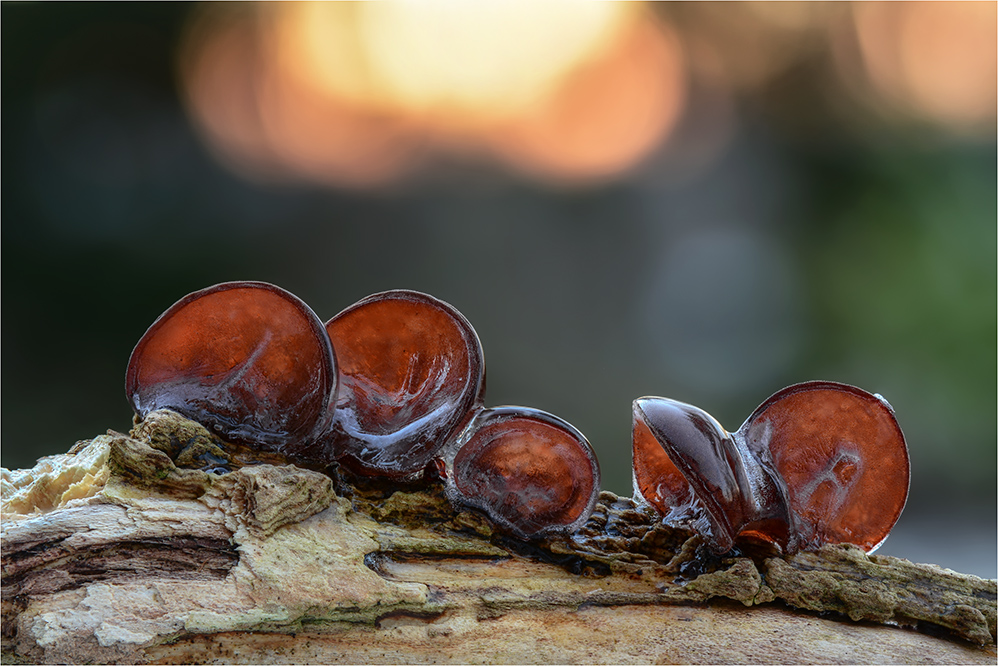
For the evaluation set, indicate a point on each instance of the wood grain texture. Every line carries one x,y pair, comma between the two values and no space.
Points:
117,552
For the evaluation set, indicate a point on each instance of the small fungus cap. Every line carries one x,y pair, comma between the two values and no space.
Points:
533,473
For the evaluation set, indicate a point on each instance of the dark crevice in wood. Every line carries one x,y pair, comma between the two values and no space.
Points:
50,568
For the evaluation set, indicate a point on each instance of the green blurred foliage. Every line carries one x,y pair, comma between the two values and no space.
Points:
903,291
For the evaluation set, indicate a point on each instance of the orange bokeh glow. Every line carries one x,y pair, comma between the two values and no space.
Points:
356,95
320,137
940,58
218,71
269,123
609,114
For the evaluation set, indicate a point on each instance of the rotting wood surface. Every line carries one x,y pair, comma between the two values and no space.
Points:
123,551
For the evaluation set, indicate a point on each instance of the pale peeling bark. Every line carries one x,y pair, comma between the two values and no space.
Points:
123,551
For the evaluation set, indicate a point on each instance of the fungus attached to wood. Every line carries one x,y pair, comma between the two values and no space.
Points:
734,496
247,359
842,458
128,549
530,471
818,462
411,372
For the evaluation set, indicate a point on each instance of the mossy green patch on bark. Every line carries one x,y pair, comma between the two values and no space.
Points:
172,433
414,509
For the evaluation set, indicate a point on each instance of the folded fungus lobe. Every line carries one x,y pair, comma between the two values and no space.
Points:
817,462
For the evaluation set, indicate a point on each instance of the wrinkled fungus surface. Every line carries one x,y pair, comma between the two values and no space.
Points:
248,359
818,462
391,387
734,495
394,385
842,457
530,471
411,371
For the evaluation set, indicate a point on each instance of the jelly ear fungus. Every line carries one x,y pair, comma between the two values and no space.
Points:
533,473
841,456
818,462
706,476
411,373
390,387
412,383
247,359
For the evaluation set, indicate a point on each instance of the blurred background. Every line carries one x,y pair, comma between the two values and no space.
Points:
696,200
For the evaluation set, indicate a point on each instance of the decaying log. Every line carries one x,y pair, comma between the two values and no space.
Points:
126,550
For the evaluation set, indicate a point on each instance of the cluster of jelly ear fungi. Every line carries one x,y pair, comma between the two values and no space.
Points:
394,386
390,387
818,462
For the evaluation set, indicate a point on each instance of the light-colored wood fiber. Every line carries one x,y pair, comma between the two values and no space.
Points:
117,552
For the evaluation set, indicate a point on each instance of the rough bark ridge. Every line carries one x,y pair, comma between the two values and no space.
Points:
125,550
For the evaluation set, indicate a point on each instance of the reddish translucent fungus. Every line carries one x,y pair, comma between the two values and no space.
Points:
247,359
818,462
531,472
411,370
656,478
739,499
842,458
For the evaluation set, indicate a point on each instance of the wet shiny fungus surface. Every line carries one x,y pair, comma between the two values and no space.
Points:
818,462
393,387
656,478
248,359
842,456
530,471
709,460
698,446
411,370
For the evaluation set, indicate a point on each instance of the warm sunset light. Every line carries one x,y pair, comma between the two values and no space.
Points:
607,115
218,80
268,119
319,136
355,94
939,58
487,58
365,94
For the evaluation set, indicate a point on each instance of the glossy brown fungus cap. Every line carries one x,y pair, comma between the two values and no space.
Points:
842,457
739,500
247,359
818,462
411,370
656,478
530,471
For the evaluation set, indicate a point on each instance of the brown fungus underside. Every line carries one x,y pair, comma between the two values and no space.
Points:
132,521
